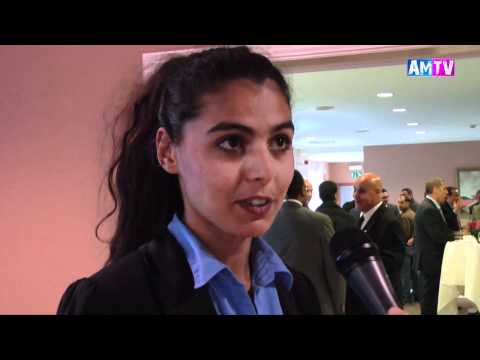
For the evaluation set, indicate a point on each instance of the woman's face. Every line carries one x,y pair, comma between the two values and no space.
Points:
235,160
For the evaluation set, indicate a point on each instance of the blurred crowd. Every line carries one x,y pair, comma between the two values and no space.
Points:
410,236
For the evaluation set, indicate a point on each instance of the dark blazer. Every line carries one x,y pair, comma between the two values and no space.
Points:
156,279
431,236
301,238
339,216
349,205
450,217
385,229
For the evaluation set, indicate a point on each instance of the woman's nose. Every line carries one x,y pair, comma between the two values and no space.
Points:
260,165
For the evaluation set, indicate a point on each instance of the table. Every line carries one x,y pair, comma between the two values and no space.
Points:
460,275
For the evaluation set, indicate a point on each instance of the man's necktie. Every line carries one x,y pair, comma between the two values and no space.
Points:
443,216
360,221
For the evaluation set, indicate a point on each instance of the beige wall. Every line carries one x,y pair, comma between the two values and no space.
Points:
339,172
53,100
411,165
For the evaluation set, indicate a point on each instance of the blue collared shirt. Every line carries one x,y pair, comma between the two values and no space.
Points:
228,295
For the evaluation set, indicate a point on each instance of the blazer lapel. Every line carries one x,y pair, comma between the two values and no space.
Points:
439,211
374,219
286,299
172,281
198,303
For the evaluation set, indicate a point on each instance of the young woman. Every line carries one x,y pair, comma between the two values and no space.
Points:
203,168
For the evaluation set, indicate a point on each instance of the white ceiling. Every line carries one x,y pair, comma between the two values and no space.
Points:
444,108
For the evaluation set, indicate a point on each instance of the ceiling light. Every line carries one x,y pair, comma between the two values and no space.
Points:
325,107
385,95
321,142
317,141
362,131
412,124
420,132
399,110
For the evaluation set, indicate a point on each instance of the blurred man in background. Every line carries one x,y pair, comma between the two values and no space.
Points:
431,236
408,193
391,207
308,193
301,237
328,191
451,208
385,230
409,274
385,196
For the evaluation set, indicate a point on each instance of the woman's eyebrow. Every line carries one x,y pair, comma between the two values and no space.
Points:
286,125
227,125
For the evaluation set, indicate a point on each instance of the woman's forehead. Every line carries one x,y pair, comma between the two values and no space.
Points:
246,102
246,95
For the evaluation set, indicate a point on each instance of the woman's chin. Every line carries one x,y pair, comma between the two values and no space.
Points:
254,229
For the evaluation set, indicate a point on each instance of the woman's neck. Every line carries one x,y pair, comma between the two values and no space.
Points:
235,254
233,251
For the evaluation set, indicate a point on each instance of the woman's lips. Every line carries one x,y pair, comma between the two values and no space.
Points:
257,206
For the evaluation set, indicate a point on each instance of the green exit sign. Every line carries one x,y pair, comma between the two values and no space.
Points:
356,174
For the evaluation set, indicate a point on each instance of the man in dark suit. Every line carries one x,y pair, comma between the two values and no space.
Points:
451,207
341,219
431,236
301,236
384,229
391,207
329,194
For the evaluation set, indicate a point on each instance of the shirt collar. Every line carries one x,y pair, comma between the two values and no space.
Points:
266,264
367,215
295,201
203,264
329,204
434,201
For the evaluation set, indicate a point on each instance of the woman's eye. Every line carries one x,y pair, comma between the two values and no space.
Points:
231,143
281,142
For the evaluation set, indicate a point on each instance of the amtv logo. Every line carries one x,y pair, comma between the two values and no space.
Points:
438,67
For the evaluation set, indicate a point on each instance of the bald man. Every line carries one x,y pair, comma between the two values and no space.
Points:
308,193
384,229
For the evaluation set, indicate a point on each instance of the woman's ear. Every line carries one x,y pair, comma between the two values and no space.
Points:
165,151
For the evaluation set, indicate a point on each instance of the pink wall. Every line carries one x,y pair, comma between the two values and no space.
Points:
52,103
412,165
340,173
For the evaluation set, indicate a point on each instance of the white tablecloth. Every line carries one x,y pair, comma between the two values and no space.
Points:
460,275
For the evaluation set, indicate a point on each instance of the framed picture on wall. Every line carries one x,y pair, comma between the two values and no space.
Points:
468,182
